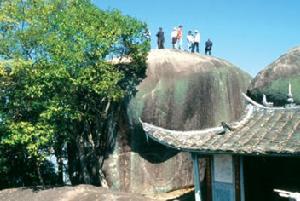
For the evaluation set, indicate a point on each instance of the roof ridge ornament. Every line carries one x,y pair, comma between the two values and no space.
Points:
266,103
226,127
290,100
258,105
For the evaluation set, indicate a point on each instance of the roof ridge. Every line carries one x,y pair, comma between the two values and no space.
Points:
243,120
210,140
256,104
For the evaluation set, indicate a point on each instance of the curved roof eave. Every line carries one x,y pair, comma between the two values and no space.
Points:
222,139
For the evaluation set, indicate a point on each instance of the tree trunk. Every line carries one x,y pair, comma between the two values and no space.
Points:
59,161
41,180
84,173
94,139
73,164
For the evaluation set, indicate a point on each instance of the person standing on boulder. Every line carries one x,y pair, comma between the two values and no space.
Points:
208,45
174,37
196,41
147,34
160,38
179,37
190,40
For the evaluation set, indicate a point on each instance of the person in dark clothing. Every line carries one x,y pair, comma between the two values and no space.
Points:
208,45
160,39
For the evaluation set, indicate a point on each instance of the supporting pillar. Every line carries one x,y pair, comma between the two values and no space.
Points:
242,179
237,177
196,177
208,178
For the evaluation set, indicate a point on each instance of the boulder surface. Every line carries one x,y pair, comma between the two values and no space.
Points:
182,91
81,192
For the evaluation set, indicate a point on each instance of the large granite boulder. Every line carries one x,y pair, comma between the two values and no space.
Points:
182,91
78,193
273,81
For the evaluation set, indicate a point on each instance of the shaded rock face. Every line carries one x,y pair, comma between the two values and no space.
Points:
274,79
182,91
82,193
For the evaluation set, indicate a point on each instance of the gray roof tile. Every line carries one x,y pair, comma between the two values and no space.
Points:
261,130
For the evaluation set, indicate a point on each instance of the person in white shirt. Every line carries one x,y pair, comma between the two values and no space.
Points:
147,34
196,41
190,40
174,37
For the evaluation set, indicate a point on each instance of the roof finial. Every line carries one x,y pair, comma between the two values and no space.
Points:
290,95
266,103
290,99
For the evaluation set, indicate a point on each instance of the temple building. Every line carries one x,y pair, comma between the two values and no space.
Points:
244,160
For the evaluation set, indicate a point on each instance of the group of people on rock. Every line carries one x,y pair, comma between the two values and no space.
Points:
193,40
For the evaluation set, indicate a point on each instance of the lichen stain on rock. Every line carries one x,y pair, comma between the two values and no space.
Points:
182,91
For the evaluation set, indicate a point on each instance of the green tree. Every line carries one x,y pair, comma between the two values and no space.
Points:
60,87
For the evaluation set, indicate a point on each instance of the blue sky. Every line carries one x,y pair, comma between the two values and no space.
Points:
248,33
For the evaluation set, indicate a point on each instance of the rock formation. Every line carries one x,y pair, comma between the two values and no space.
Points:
81,192
182,91
273,81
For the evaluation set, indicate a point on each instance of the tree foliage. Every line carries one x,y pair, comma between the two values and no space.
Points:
59,88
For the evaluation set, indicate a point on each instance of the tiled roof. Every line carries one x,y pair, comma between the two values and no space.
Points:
261,130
